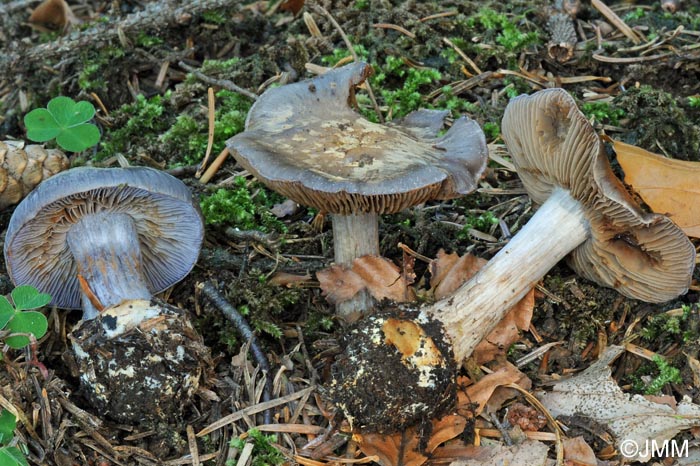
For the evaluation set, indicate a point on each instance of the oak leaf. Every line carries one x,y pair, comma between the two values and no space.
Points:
668,186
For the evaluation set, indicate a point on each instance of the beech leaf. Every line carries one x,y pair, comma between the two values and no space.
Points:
668,186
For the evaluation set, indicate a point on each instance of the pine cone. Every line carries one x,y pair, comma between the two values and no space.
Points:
23,167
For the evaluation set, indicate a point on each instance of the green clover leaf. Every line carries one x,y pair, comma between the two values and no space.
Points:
8,422
27,297
12,456
26,322
65,120
7,312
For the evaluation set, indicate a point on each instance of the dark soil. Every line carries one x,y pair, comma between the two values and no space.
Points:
129,58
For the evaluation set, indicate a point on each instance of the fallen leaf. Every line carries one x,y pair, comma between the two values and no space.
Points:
293,6
668,186
449,272
632,419
289,280
481,392
402,448
530,452
578,452
526,417
339,283
54,12
381,277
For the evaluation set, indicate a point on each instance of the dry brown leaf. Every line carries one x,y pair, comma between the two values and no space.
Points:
530,453
668,186
339,283
481,392
401,449
289,280
383,279
576,450
632,419
449,272
293,6
54,12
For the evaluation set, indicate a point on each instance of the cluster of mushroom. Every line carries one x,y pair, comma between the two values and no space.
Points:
106,240
305,141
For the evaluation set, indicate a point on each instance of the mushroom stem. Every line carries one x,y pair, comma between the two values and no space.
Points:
108,257
557,227
355,236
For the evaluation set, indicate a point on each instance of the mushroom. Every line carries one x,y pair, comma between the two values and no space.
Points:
305,141
110,239
584,213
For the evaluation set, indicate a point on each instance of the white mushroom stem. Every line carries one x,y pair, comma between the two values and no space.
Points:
355,236
556,229
108,256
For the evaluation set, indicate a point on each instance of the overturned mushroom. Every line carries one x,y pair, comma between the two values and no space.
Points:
305,141
585,212
109,239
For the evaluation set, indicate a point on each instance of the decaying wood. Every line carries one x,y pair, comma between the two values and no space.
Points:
156,15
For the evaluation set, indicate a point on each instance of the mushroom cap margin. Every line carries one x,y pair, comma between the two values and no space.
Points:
168,222
642,255
304,141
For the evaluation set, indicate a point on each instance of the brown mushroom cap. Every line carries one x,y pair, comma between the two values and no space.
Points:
304,141
642,255
168,224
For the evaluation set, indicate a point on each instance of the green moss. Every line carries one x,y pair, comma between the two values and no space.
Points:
214,17
145,40
238,207
188,136
95,62
264,452
507,34
654,118
144,119
482,222
603,112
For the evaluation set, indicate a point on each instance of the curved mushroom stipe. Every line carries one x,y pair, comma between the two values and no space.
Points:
642,255
584,209
168,224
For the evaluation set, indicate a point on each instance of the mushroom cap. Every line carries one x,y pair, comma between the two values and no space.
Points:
304,141
168,222
642,255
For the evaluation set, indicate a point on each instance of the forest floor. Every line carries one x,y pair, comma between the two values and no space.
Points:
147,66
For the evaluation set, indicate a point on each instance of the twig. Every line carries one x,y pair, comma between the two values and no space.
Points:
224,83
211,101
246,332
616,20
155,16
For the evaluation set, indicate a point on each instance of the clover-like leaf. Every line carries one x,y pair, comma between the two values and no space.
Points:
7,312
65,120
41,125
26,322
79,137
27,297
69,113
8,422
12,456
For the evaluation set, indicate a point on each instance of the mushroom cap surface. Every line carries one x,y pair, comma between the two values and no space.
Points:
168,223
305,141
642,255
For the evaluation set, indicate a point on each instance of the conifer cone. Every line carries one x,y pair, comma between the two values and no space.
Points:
22,168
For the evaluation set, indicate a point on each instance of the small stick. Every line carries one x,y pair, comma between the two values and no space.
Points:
246,332
615,20
224,83
215,165
211,101
464,56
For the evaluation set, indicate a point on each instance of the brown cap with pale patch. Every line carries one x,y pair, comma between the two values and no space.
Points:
642,255
305,141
